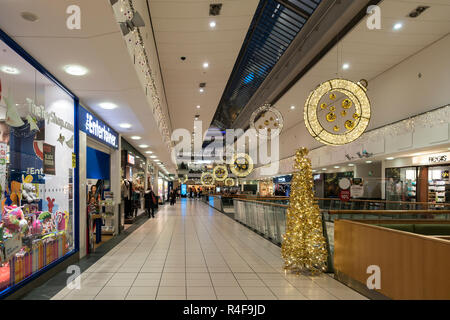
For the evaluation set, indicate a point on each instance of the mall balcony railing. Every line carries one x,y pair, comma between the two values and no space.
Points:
269,219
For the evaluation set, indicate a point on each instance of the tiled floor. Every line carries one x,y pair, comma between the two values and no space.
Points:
191,251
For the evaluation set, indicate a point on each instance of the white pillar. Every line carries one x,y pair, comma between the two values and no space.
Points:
82,193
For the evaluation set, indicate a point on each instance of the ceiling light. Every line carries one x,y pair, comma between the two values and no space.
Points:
336,167
136,138
153,157
324,169
75,70
125,125
148,152
351,165
212,24
107,105
368,162
292,107
10,70
205,65
143,146
198,107
201,90
398,26
345,66
390,158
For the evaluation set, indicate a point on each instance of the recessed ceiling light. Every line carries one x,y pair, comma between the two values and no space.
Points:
198,107
398,26
390,158
212,24
148,152
75,70
125,125
153,157
143,146
108,105
201,90
324,169
368,162
136,138
292,107
351,165
205,65
336,167
345,66
10,70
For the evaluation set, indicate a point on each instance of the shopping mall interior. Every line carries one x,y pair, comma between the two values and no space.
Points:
225,150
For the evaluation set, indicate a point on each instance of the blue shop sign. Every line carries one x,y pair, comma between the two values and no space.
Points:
97,129
283,179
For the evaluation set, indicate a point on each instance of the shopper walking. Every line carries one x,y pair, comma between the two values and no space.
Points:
172,197
150,202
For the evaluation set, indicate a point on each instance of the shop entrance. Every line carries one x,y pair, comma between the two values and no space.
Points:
99,198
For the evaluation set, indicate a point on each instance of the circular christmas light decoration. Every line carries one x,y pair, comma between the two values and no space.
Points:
220,172
267,121
338,111
207,179
242,165
229,182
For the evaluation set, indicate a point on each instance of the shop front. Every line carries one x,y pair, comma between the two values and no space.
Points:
423,178
265,188
282,186
133,171
100,145
38,179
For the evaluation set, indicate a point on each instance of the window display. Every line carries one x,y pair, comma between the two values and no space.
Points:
438,185
36,173
401,184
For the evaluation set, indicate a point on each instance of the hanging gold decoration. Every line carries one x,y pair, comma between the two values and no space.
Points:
242,165
304,247
220,173
355,103
207,179
267,121
229,182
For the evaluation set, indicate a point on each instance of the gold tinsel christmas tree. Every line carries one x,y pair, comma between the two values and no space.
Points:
304,248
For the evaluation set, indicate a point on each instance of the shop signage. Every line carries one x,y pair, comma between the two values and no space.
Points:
283,179
130,159
49,159
97,129
344,195
11,247
432,159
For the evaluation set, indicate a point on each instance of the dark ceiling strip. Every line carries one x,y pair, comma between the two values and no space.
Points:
361,14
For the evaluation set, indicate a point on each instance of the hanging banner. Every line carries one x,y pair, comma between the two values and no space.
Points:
49,159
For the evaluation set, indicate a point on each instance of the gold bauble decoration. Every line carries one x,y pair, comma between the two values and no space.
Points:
323,106
336,129
304,248
357,96
220,173
343,113
241,165
349,124
331,117
332,108
207,179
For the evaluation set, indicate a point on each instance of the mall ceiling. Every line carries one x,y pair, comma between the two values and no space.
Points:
98,46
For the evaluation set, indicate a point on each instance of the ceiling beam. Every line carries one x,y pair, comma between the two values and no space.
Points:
294,8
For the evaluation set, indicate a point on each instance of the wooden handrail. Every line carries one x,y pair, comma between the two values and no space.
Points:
382,212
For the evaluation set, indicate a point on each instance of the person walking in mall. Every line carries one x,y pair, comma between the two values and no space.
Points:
150,202
172,197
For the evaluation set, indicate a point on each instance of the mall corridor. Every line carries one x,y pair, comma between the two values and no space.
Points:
191,251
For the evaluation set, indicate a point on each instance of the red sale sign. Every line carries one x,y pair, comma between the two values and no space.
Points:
344,195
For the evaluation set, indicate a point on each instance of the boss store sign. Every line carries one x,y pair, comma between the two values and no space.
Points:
97,129
283,179
432,159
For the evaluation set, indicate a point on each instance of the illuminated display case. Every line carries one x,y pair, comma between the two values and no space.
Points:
38,184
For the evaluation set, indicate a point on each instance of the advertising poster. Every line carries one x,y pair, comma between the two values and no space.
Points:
49,159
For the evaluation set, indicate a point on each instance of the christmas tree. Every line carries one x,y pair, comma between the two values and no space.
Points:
304,248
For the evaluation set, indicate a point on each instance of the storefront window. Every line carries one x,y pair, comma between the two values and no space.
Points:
331,183
401,184
36,170
439,184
